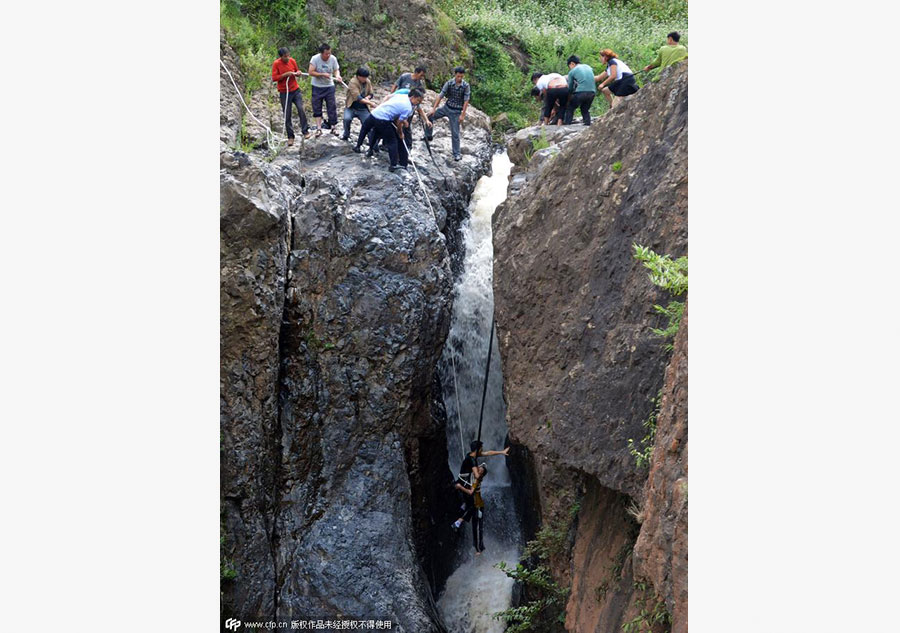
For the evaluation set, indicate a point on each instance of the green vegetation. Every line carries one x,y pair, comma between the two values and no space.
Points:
537,144
651,612
642,456
617,166
671,275
226,565
512,38
547,610
256,28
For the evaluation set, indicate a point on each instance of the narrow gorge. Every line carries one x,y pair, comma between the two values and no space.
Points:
356,314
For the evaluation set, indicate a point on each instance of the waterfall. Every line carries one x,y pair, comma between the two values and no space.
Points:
476,589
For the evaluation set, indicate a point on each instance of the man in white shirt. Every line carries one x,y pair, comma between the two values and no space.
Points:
322,67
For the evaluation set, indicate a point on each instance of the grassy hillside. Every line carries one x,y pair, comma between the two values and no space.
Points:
510,38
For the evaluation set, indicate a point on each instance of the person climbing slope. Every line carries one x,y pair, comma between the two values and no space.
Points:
617,79
457,92
582,90
324,69
474,508
470,461
669,54
553,88
284,73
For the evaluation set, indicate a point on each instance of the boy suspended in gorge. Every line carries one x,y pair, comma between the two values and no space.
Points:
284,73
470,461
474,507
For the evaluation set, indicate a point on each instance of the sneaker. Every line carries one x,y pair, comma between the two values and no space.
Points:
370,153
318,132
345,138
457,157
335,131
290,141
307,134
396,168
456,524
357,149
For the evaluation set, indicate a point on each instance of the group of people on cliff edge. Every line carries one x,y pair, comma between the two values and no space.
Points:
562,95
382,124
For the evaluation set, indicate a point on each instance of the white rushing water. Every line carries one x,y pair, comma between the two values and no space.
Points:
476,589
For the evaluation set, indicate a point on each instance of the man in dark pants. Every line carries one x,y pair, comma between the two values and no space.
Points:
359,100
284,74
408,81
322,67
474,505
387,122
457,92
582,89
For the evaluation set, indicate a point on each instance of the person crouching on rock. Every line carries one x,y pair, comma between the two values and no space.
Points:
359,100
553,88
617,79
474,507
387,121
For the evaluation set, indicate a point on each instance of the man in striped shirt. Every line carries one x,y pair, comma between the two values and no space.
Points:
457,92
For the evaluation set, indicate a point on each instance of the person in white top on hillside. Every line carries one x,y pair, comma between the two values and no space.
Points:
617,79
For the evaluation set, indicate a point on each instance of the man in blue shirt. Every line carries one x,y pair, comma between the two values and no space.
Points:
387,121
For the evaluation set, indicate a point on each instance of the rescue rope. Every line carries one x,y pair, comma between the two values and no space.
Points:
487,371
462,444
271,137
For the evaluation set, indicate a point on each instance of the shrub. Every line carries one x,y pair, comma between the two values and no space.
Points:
671,275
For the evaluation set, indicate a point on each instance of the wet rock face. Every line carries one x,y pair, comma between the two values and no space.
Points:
574,309
661,552
336,291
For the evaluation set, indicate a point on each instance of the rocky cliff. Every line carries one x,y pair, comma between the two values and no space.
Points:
574,314
335,301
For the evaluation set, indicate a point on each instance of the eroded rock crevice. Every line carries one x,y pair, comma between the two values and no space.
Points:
574,317
336,294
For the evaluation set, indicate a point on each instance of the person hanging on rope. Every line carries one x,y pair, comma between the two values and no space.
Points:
474,507
284,74
470,461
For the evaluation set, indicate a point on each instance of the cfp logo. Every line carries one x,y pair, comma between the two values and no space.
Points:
232,625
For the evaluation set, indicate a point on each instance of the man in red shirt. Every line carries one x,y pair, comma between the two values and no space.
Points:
284,73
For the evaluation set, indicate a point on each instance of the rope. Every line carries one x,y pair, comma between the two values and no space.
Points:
462,444
271,137
487,371
421,184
